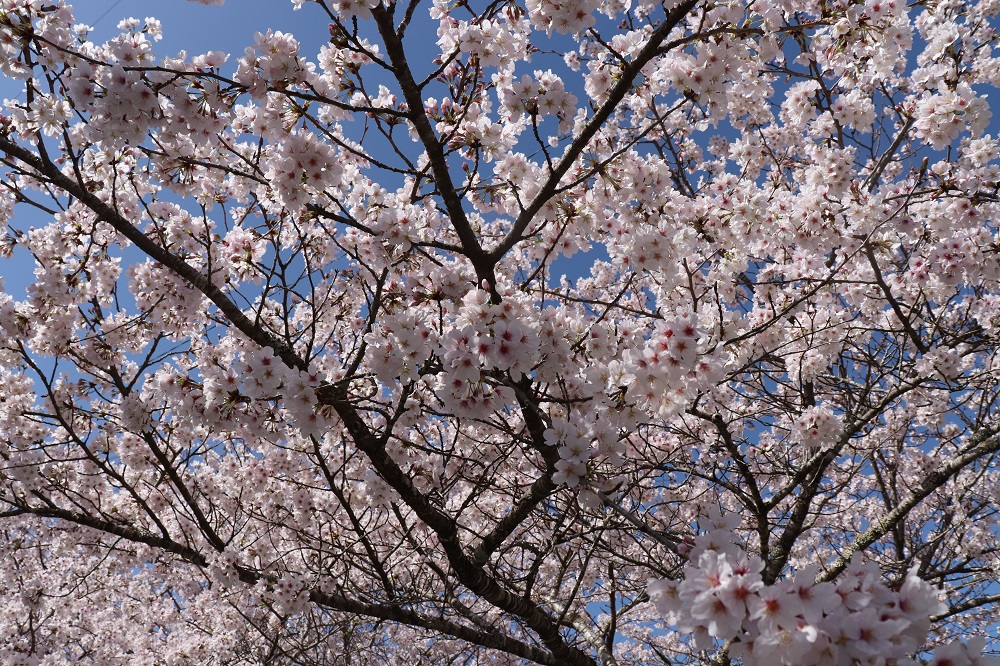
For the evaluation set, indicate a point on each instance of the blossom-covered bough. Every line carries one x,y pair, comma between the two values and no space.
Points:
300,379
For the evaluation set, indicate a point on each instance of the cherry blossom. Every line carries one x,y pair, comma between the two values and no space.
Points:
552,332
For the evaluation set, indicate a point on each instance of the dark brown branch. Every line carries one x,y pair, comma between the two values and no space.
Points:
464,566
196,279
389,612
893,303
983,443
610,105
435,150
445,527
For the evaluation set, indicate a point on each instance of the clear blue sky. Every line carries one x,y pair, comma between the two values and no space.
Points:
199,28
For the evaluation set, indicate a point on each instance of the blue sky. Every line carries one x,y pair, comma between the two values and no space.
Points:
199,28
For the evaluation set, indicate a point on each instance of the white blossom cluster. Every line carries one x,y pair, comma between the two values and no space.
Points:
856,620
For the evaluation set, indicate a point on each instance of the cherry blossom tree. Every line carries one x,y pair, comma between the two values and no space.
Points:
499,332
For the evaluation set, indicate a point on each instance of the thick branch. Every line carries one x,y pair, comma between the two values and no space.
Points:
446,529
435,151
984,443
465,568
615,97
871,182
540,489
389,612
200,281
903,319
